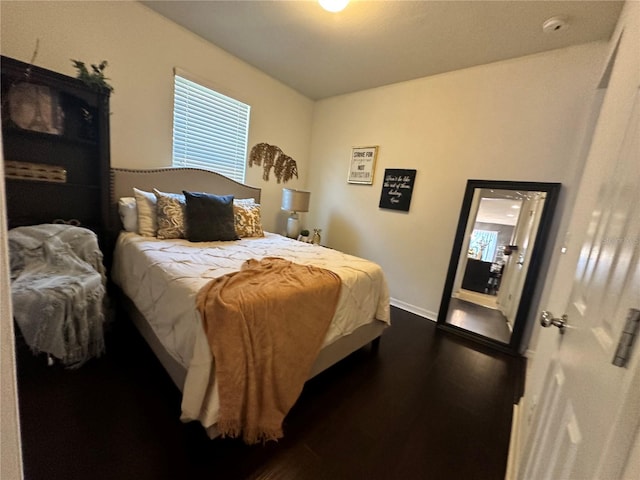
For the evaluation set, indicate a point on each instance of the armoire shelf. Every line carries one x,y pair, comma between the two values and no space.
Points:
55,121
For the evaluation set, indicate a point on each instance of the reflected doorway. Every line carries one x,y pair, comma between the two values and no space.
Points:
475,304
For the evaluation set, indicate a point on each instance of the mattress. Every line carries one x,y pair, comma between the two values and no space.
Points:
163,277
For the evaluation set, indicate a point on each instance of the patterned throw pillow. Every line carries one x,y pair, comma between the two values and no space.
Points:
247,218
170,210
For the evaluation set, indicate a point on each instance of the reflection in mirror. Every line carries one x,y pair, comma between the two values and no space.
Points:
496,257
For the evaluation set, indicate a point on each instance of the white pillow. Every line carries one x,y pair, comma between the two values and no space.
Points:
128,213
244,201
147,217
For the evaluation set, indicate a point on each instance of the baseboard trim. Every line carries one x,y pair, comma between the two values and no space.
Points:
413,309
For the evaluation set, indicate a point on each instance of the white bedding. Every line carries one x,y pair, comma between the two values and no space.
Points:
162,278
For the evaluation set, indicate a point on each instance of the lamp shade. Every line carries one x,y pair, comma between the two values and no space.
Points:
295,200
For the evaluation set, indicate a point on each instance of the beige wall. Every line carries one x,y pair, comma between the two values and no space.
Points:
522,119
142,48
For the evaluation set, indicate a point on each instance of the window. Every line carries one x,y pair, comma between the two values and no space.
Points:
209,129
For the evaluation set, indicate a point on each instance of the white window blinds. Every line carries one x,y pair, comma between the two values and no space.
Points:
209,129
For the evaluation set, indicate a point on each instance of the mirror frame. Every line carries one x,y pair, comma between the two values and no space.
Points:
530,283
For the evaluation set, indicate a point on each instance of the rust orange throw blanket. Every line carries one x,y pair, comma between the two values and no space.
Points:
265,325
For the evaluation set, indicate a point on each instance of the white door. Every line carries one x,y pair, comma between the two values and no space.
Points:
588,413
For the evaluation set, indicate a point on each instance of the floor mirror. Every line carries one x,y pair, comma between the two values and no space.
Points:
495,261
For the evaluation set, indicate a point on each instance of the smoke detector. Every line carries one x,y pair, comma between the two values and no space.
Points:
555,24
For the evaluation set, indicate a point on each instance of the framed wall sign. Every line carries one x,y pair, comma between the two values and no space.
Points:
397,188
362,165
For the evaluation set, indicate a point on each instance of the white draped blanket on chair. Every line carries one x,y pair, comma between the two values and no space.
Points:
58,290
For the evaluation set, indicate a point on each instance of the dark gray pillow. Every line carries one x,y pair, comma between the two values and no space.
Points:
209,217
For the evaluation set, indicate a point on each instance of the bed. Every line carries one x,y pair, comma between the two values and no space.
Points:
160,278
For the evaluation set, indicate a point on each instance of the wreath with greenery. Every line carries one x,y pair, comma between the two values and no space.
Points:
95,78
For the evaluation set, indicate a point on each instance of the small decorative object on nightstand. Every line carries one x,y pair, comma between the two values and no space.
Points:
316,236
304,236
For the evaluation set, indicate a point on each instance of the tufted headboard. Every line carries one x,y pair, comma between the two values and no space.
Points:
172,180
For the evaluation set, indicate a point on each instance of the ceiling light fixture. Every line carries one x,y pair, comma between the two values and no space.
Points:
333,5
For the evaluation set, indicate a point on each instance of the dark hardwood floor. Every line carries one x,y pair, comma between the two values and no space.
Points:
476,318
427,405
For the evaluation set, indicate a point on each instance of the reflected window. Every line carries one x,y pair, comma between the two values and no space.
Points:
482,245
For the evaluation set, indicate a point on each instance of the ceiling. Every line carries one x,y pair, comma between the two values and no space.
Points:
499,211
375,43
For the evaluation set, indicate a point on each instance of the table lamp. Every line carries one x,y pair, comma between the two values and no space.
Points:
294,201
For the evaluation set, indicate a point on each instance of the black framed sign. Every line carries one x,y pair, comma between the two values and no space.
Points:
397,189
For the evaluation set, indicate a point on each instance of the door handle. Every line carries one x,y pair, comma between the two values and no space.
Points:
547,319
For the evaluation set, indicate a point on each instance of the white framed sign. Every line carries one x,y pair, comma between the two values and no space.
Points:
362,165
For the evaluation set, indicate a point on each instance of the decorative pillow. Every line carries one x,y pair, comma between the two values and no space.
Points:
209,217
128,213
147,219
244,201
247,218
170,209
